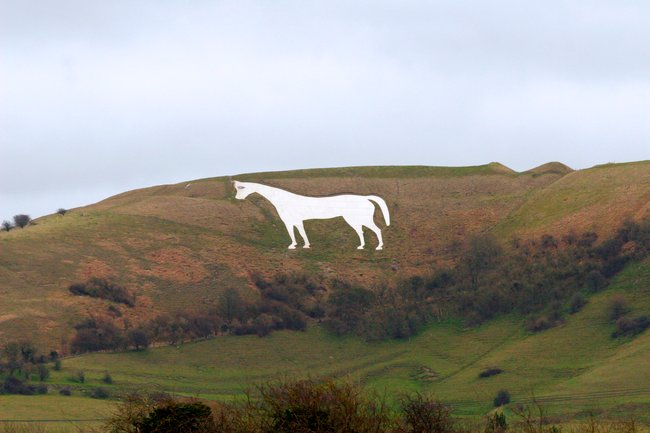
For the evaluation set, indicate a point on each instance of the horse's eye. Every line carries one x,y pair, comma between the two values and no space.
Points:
240,187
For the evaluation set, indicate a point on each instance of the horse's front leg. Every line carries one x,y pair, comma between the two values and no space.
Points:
301,230
290,227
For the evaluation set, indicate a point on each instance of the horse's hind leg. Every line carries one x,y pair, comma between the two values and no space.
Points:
358,227
372,226
301,230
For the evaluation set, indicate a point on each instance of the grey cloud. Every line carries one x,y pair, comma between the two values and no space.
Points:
121,94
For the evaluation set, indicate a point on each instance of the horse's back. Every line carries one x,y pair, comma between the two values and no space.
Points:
344,205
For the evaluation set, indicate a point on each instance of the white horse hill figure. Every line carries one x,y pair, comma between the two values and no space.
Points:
294,209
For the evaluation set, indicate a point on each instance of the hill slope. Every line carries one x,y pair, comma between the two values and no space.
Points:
178,246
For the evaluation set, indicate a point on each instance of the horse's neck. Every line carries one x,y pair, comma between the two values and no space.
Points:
274,195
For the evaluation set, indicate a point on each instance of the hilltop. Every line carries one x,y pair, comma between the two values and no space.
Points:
179,246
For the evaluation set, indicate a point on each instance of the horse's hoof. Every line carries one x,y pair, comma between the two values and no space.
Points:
360,247
307,246
292,247
379,248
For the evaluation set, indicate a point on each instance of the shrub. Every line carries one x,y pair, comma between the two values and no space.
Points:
13,385
65,391
61,211
496,423
424,415
617,307
6,225
502,398
22,220
577,303
57,365
43,372
630,327
490,372
539,324
104,289
79,377
114,311
174,416
99,393
595,281
138,339
311,406
107,379
92,335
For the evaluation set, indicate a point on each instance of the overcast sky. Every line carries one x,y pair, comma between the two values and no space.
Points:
100,97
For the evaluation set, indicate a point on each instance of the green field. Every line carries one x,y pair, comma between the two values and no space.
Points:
177,247
572,370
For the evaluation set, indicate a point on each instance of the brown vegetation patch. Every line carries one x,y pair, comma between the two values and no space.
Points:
177,264
94,268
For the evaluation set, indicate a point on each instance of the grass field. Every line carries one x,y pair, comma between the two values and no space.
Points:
178,246
572,370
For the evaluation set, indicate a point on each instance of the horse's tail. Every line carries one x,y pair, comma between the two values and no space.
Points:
382,205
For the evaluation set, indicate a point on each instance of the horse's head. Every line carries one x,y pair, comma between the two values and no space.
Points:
243,190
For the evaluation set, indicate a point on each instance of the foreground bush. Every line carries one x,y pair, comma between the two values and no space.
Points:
310,406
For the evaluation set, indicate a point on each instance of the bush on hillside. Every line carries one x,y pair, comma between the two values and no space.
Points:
617,307
100,393
13,385
22,220
6,225
94,335
424,415
138,339
490,372
577,303
103,289
502,398
629,327
107,379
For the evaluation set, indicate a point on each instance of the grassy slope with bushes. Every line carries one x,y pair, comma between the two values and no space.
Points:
179,246
578,361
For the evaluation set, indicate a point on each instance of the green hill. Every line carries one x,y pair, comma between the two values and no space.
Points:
177,247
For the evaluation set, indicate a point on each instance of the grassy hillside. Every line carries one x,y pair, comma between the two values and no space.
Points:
178,246
572,369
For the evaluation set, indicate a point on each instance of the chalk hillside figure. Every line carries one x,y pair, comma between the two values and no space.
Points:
294,209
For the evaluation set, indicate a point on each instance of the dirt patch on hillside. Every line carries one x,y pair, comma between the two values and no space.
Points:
177,264
94,268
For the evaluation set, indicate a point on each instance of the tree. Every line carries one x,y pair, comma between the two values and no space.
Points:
482,254
22,220
176,416
43,372
61,211
424,415
138,339
6,225
230,305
